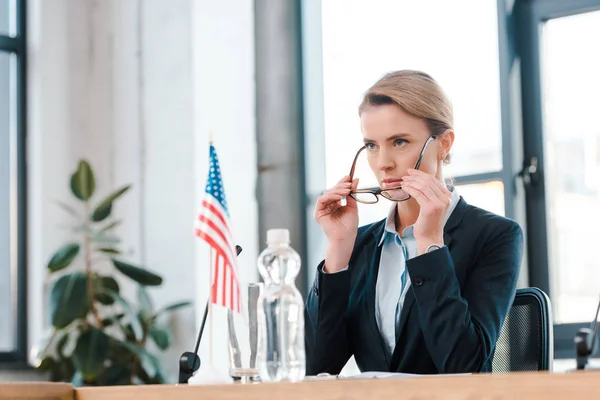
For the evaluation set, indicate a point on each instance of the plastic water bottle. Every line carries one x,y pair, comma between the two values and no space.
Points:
281,355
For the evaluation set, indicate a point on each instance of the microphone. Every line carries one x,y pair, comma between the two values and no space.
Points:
586,342
190,362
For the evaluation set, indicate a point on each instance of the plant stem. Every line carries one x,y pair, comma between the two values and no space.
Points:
88,267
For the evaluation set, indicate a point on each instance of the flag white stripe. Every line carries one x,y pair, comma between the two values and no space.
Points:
222,283
208,213
222,273
217,232
209,231
217,226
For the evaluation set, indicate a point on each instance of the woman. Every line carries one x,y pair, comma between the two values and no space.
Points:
425,290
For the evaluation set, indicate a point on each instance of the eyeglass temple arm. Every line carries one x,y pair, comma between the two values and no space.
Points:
418,164
351,175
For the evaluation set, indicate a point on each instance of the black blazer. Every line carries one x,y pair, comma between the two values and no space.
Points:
452,313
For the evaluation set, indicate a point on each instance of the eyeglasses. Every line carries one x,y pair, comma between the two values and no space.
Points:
370,195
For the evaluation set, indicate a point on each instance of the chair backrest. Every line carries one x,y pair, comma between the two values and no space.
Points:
526,340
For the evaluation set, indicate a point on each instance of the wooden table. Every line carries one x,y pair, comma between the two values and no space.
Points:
530,386
37,390
515,386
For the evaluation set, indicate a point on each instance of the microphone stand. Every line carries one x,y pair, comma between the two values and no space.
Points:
190,362
586,343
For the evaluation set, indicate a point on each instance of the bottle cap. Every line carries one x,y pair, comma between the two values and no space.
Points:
278,236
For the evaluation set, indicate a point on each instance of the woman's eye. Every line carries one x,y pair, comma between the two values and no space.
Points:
400,142
370,146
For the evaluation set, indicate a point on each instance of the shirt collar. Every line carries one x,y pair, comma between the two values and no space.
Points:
390,222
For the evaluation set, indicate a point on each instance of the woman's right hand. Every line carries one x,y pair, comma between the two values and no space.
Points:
340,223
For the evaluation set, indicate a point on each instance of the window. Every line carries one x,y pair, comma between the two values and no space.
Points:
559,78
12,181
362,40
572,150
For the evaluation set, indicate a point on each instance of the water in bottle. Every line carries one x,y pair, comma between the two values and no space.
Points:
281,355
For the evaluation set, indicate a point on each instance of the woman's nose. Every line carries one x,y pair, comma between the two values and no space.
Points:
384,161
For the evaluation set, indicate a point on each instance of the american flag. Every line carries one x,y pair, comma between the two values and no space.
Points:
212,225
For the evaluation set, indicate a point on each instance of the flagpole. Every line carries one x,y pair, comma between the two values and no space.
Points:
210,308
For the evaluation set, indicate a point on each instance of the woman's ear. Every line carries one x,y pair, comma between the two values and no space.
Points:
446,140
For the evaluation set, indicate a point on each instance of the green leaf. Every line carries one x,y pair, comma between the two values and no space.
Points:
64,371
47,364
105,207
108,250
69,299
63,257
136,325
106,283
43,347
61,344
83,182
110,226
67,343
150,363
116,375
100,214
173,307
161,336
90,353
140,275
108,321
146,306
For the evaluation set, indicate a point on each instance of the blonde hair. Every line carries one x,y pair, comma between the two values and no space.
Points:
416,93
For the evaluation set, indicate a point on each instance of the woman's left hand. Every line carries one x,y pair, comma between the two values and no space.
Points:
434,199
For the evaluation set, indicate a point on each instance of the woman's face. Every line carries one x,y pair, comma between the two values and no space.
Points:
394,139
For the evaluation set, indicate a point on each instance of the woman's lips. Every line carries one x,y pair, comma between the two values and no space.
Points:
391,183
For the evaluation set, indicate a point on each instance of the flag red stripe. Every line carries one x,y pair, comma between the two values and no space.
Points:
228,270
214,227
219,217
212,208
211,242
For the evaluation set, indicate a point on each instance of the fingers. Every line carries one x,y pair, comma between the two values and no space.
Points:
350,202
428,191
325,201
416,174
429,185
330,200
425,192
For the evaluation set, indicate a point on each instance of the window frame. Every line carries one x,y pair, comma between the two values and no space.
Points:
17,45
529,16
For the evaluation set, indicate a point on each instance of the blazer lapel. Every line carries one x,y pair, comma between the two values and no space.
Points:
453,221
372,255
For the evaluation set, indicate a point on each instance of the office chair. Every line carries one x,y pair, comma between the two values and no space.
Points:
526,339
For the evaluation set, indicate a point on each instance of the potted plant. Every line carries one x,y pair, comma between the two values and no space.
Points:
98,337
